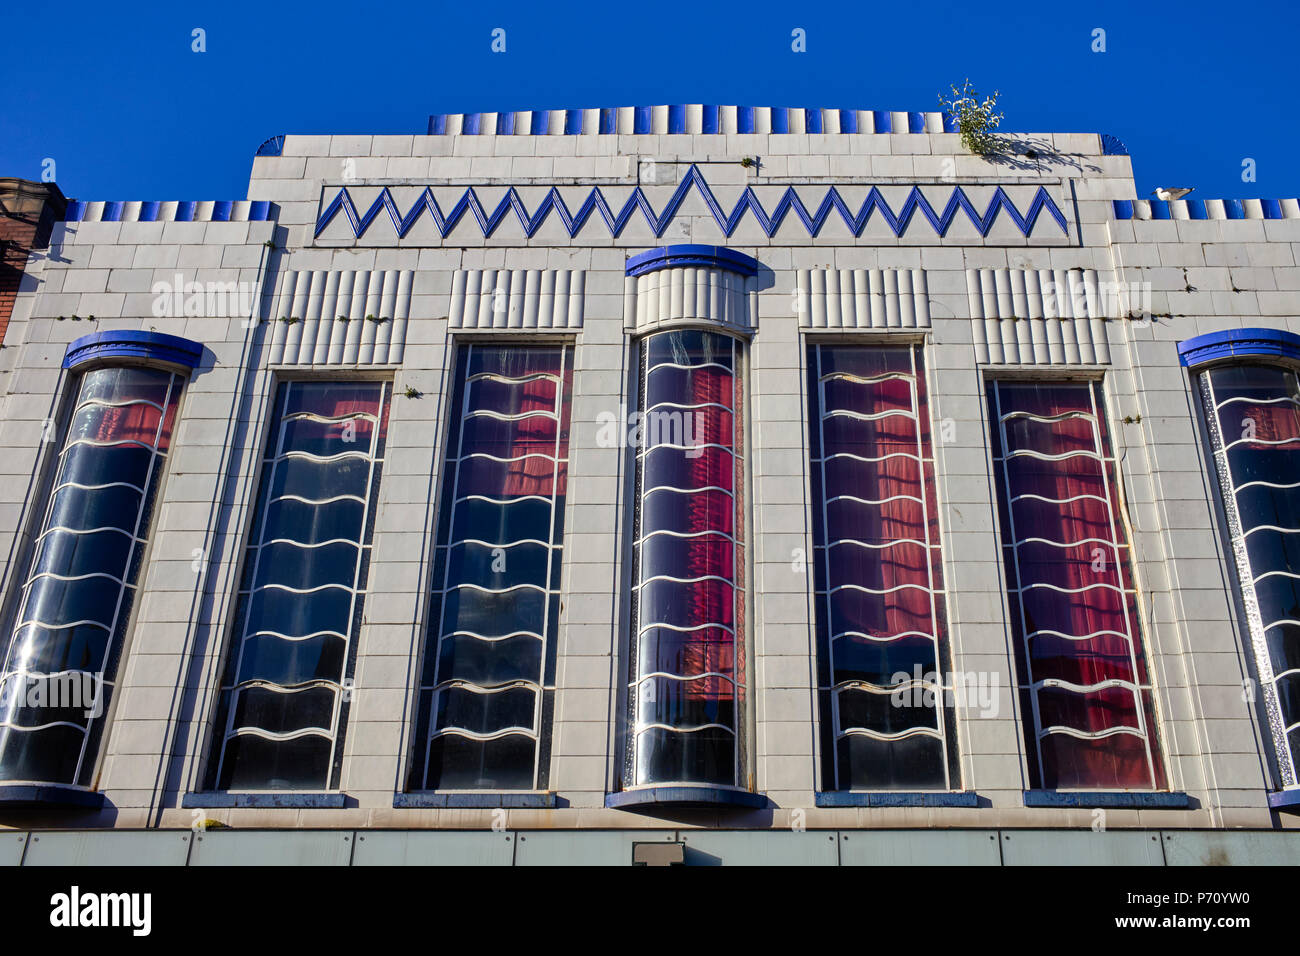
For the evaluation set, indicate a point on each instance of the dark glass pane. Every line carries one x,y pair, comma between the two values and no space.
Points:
686,704
80,510
326,439
492,614
255,763
698,756
489,663
909,763
489,713
296,615
502,523
282,712
312,524
907,707
269,658
70,554
498,567
320,480
305,568
461,763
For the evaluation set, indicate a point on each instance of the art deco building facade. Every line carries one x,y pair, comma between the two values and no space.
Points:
751,484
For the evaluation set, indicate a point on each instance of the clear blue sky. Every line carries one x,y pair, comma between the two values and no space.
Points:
115,96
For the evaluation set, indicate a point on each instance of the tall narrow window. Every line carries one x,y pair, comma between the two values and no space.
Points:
62,659
886,716
1253,413
686,694
1083,678
283,706
488,677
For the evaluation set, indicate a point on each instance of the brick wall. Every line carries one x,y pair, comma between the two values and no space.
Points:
28,211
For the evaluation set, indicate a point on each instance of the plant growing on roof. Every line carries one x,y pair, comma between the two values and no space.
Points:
976,119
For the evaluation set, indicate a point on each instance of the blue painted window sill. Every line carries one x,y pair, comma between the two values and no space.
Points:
684,796
1286,801
1107,799
476,801
268,800
49,795
886,798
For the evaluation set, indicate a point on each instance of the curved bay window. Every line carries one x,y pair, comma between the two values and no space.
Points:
1084,685
284,700
884,684
71,619
686,692
488,683
1251,407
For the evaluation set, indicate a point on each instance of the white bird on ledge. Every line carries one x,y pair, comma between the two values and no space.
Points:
1172,192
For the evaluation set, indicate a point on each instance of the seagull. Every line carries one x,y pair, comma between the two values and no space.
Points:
1172,192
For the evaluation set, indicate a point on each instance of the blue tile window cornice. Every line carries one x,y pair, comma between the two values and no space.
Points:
1239,344
790,202
709,257
132,345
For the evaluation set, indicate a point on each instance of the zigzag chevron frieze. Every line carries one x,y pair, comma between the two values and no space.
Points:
615,222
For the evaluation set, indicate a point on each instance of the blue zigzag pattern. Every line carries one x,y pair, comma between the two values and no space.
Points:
595,202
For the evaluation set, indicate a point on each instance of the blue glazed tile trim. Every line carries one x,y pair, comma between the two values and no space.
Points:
848,121
476,801
812,121
676,119
847,798
650,797
709,121
49,795
711,257
269,800
883,121
1287,801
1123,208
438,124
950,123
744,119
1239,343
470,125
274,146
573,122
1113,800
1272,208
780,120
1112,146
916,122
875,203
541,120
129,344
641,120
259,210
1196,209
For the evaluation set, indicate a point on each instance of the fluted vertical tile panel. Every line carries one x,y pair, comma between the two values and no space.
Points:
320,318
863,299
516,300
1037,317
